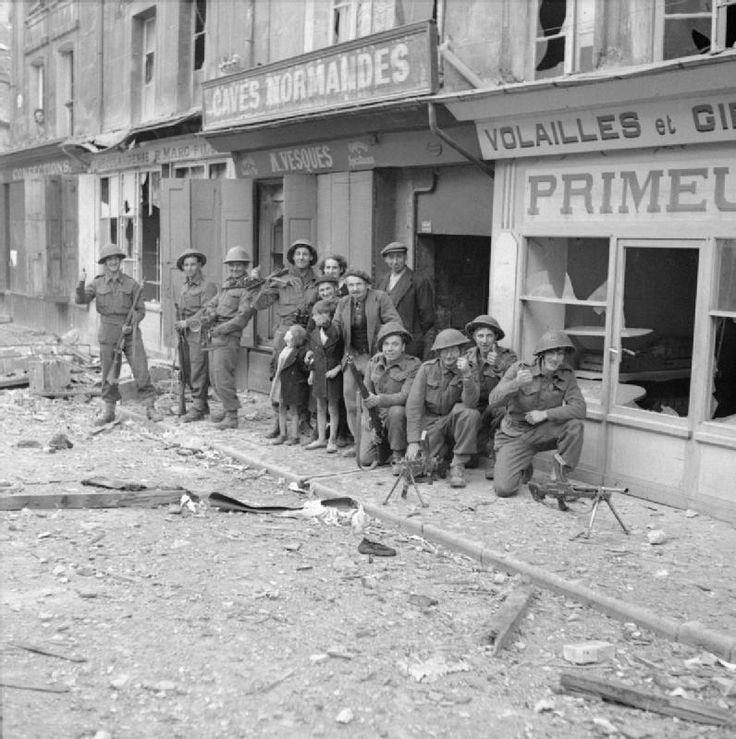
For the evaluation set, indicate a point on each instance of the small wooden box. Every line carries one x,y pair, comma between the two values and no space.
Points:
48,375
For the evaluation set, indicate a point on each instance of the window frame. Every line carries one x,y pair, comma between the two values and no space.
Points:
718,15
65,92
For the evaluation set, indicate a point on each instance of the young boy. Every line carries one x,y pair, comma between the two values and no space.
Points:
289,388
324,357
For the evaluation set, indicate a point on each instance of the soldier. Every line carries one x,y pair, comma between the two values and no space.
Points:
544,410
195,293
359,316
412,295
295,291
114,293
225,316
444,401
488,362
388,378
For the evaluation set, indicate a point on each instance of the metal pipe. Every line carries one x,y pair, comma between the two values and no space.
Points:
482,166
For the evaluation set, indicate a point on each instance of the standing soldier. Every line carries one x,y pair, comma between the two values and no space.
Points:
412,295
295,291
488,362
225,316
114,293
544,411
443,402
195,293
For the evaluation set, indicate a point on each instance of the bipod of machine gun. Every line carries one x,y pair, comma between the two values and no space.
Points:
564,491
424,467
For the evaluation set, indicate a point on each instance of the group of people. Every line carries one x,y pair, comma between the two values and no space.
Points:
347,353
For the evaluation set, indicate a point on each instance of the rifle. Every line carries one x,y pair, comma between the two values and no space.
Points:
185,369
374,417
113,376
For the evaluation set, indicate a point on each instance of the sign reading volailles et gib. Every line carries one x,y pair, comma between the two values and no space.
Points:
385,66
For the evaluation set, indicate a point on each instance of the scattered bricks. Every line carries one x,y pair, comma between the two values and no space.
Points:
587,652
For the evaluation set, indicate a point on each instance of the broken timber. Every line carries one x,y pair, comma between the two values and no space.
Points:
508,616
149,498
617,692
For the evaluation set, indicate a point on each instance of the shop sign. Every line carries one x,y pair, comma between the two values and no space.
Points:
52,168
384,66
655,191
645,124
184,149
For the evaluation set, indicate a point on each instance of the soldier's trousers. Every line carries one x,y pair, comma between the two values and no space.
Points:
515,453
198,370
223,363
458,431
394,421
135,354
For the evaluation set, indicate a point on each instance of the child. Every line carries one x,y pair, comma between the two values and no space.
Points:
289,387
326,350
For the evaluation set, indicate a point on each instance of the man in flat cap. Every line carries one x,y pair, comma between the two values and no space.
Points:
195,293
413,297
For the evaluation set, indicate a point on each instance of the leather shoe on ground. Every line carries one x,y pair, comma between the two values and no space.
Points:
375,548
457,476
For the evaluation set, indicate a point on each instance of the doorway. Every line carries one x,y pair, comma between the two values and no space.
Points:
458,267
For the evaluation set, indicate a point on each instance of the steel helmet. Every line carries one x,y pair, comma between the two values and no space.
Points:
236,254
554,339
111,251
190,253
392,328
488,322
449,337
306,245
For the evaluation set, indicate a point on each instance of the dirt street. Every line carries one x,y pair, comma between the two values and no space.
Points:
186,621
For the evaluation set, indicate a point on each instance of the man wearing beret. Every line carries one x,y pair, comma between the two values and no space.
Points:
195,293
488,361
114,292
412,295
359,316
293,291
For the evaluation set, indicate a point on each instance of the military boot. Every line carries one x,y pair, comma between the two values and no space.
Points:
152,413
457,476
217,416
230,421
193,414
107,415
275,431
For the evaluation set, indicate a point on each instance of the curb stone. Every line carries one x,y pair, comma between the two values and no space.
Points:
692,633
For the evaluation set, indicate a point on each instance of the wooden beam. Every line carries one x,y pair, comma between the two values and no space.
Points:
149,498
508,616
617,692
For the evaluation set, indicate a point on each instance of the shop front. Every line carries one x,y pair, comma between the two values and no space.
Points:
630,249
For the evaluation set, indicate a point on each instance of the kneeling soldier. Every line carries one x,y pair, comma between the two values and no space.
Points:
195,293
544,411
444,401
388,378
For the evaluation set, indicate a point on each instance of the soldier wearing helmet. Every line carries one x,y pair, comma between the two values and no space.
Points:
293,291
544,410
443,401
388,378
225,316
489,362
195,293
113,292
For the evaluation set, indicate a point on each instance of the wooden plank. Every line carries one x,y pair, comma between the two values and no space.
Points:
19,685
508,616
617,692
46,652
90,499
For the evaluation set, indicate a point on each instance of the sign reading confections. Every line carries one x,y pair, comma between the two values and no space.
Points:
698,120
386,66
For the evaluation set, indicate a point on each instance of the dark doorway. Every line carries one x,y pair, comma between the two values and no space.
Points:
459,267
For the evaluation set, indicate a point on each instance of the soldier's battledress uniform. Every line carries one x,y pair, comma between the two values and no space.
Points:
194,295
113,295
391,382
445,404
229,310
517,441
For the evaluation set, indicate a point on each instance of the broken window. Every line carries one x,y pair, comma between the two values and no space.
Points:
199,8
691,27
723,322
564,37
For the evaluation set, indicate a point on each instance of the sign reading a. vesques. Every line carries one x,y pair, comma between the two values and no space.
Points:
384,66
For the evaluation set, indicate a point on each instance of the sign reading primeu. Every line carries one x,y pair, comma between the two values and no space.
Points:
393,65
